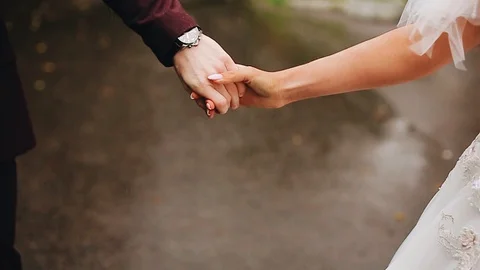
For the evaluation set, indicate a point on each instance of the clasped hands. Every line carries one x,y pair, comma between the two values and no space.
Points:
217,84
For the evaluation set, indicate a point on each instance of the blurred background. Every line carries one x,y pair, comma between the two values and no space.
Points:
129,174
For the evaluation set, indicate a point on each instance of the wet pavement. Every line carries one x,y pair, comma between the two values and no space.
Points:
129,174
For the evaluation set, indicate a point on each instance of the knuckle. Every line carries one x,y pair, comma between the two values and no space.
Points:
228,76
219,67
203,82
225,58
199,84
228,99
195,85
235,104
222,104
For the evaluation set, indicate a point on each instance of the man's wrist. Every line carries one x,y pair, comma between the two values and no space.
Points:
188,39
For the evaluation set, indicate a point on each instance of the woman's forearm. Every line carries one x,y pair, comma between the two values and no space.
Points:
382,61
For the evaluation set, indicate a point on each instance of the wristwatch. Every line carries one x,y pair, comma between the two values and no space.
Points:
189,39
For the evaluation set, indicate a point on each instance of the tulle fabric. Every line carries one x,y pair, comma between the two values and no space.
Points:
458,198
432,18
422,249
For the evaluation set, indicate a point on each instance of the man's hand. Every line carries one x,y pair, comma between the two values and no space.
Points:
193,65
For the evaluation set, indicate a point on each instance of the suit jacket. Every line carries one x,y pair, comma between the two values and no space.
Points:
158,22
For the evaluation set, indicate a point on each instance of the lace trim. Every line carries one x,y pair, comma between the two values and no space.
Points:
463,247
470,163
474,198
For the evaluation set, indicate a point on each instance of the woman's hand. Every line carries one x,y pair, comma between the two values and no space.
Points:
262,87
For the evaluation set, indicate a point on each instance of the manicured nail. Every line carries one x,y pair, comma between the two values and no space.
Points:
208,112
209,106
215,77
191,96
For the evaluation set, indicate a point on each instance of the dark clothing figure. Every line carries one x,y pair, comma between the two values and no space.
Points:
158,22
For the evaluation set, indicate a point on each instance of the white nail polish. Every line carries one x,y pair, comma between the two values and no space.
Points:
215,77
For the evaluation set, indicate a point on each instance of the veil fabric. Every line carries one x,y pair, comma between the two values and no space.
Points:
432,18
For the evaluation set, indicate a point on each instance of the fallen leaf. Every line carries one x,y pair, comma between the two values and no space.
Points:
399,216
41,47
39,85
49,67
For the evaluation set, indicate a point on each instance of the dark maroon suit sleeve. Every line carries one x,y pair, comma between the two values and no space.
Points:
158,22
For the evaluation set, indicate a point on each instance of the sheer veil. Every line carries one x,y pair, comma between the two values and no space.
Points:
432,18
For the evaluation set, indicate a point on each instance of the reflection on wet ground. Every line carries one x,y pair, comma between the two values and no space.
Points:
128,173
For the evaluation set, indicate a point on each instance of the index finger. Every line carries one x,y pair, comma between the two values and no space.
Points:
210,93
243,74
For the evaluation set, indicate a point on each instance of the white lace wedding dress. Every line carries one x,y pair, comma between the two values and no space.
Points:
447,236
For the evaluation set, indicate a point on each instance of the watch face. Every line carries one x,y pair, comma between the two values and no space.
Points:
190,37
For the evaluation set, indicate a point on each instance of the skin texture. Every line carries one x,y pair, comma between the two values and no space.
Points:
193,65
383,61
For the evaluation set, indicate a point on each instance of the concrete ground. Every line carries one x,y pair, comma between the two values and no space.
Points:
129,175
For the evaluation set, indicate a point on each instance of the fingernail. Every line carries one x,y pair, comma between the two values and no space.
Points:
215,77
208,112
191,96
209,106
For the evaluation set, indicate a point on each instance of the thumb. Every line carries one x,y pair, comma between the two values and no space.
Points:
242,75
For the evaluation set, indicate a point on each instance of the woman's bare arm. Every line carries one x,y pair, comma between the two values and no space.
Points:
382,61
